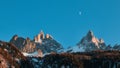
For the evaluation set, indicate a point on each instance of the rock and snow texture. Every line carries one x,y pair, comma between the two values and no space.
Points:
90,39
35,54
75,49
88,43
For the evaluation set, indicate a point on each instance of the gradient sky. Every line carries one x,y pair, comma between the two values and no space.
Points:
66,20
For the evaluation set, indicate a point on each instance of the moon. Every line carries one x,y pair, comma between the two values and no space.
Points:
80,13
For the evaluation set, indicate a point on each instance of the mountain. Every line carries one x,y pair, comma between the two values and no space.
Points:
88,43
41,42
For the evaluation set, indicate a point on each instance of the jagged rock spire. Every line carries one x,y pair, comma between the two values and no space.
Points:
90,35
48,36
15,37
42,35
39,37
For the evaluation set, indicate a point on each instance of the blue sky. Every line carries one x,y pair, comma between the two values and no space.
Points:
61,19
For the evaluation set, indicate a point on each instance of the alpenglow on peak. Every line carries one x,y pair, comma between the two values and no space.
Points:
41,36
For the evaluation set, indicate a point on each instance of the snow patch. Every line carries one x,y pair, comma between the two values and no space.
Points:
75,49
30,54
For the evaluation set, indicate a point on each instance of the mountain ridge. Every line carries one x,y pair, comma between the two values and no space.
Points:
47,44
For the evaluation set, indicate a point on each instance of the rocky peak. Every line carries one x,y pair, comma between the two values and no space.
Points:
101,40
48,36
41,36
91,41
89,38
15,37
89,35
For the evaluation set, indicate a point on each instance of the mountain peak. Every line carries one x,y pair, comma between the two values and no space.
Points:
90,33
91,41
41,32
41,36
15,37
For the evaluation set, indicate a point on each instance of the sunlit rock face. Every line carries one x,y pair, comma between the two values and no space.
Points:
39,37
48,36
29,46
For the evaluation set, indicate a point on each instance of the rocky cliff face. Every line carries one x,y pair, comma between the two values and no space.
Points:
45,43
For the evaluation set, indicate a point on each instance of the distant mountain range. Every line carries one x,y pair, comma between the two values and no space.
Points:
47,44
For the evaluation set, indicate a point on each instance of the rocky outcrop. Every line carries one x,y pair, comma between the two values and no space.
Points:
18,41
39,37
48,36
29,46
24,45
